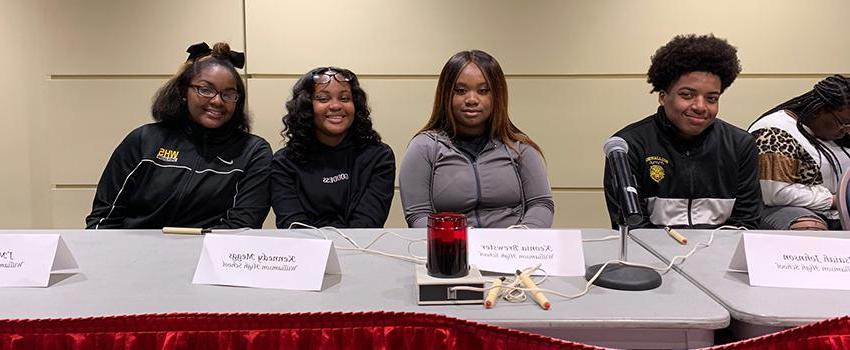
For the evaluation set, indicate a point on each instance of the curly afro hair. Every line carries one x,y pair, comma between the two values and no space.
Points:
692,53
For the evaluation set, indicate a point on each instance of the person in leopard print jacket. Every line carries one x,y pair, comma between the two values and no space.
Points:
802,145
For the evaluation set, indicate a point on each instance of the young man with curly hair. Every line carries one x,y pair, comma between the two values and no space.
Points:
692,169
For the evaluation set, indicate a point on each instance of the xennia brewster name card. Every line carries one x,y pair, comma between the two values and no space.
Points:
559,252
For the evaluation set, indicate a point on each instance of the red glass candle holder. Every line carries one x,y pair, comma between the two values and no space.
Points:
447,255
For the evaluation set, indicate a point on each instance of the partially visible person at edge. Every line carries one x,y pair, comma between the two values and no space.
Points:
197,165
470,158
802,146
334,169
692,169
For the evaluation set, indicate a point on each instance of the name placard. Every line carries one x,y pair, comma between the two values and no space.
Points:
559,252
26,260
794,261
265,262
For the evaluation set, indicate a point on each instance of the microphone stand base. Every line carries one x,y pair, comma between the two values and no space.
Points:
624,277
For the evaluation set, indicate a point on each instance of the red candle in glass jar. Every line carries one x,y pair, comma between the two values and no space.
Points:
447,255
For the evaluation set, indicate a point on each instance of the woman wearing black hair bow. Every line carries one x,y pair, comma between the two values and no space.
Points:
197,165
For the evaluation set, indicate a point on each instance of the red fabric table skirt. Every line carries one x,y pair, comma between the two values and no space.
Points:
366,330
828,334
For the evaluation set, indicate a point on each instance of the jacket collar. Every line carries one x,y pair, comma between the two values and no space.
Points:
443,137
347,142
201,134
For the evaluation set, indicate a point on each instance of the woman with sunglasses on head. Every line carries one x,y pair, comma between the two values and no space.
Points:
197,165
334,169
470,158
803,152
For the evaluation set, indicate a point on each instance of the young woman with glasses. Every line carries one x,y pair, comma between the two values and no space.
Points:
197,165
803,153
470,158
334,170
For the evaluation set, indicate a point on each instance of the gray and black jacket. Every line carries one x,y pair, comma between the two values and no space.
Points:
184,175
504,186
706,182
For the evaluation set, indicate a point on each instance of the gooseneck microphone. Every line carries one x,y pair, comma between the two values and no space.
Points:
616,150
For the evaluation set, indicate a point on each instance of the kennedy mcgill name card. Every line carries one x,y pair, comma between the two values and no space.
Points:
265,262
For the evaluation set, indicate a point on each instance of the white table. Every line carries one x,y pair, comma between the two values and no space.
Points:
143,272
755,310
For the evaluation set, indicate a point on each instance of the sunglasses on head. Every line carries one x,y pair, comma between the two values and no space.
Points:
325,77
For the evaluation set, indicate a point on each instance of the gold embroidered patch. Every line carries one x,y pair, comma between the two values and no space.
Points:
167,155
656,172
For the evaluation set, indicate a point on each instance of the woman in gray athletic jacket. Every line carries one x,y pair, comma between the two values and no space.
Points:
469,158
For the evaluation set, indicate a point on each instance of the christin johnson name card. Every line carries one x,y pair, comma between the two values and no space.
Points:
774,260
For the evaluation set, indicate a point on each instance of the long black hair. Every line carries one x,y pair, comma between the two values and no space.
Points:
499,124
828,95
299,129
169,103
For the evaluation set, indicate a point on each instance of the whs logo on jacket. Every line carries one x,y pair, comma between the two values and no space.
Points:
167,155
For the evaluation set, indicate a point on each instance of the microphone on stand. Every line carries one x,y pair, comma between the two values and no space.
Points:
617,275
616,150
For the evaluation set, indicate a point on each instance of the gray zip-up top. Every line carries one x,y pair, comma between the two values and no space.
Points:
503,187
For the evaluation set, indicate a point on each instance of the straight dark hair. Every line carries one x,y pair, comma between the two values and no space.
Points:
500,125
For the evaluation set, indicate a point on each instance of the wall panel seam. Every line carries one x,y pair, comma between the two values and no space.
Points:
377,76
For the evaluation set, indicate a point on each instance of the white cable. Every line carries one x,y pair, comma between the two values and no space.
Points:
606,238
356,247
512,286
230,230
310,227
510,290
688,255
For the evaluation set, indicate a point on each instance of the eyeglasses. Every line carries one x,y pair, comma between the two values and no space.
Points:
208,92
324,78
841,125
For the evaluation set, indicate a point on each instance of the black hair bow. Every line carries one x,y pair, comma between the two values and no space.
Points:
202,49
237,58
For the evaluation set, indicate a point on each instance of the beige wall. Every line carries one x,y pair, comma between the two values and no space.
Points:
20,91
84,72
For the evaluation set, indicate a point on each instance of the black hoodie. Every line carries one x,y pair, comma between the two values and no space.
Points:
348,185
184,175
